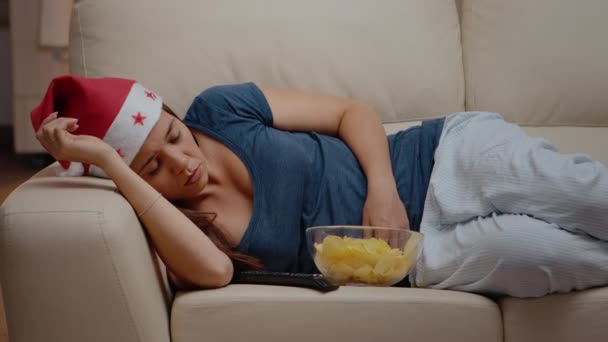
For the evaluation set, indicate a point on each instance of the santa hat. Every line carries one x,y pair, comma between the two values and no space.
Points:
121,112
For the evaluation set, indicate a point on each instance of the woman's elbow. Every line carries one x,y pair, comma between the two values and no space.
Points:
219,277
217,273
222,276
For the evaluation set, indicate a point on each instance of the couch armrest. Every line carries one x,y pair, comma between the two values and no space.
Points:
76,265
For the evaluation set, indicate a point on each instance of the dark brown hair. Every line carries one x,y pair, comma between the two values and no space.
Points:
204,221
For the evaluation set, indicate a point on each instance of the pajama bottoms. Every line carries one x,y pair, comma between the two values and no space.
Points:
507,214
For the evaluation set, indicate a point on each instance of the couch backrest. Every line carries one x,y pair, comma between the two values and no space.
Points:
402,56
542,64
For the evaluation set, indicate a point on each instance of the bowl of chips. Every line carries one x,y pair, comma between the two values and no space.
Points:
363,255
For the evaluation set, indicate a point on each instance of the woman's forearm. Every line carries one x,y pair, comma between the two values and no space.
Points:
182,246
362,130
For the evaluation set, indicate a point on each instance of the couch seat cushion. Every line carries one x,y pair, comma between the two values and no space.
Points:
575,316
277,313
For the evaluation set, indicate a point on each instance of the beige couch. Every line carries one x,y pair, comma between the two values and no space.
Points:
76,265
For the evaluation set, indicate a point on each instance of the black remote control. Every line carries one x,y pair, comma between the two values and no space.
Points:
313,281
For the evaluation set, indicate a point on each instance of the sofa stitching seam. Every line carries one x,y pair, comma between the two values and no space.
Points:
470,69
460,17
50,212
8,246
84,59
122,292
520,123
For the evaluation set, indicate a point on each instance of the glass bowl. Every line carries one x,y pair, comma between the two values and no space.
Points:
363,255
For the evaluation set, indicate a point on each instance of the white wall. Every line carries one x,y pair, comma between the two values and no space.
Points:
6,97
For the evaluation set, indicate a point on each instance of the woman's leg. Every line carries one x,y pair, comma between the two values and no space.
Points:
513,255
485,165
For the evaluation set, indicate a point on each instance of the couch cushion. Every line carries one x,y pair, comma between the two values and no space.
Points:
539,62
403,57
277,313
576,316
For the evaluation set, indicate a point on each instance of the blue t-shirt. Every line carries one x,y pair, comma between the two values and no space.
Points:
304,179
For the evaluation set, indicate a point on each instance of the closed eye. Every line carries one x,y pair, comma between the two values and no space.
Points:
156,169
173,140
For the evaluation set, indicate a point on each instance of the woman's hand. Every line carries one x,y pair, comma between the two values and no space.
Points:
384,208
55,135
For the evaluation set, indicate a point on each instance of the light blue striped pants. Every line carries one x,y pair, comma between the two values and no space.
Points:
507,214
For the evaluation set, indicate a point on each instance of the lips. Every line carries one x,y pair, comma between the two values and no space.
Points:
195,176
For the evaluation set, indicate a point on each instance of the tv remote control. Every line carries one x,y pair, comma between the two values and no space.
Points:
309,280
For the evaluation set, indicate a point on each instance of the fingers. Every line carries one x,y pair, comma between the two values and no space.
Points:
69,124
53,132
52,124
391,236
406,224
60,127
49,118
367,233
393,240
45,122
383,234
379,215
73,126
52,121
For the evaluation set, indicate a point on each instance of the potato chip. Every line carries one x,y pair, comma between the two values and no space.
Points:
371,261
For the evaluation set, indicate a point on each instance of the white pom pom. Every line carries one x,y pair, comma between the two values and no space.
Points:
97,172
75,170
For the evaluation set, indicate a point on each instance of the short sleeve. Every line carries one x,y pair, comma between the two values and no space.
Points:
225,104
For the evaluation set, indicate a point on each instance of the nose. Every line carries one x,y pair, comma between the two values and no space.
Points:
177,161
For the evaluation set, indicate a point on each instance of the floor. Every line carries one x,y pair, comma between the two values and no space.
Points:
14,170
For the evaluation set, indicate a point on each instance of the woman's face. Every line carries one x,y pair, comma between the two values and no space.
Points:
171,161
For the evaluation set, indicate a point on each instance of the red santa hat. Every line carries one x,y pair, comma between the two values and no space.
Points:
119,111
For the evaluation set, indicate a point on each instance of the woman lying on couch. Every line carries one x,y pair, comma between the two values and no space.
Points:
234,185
